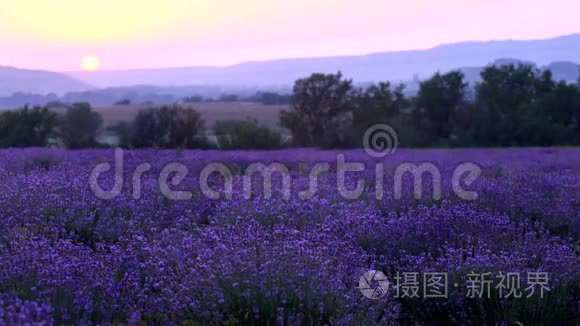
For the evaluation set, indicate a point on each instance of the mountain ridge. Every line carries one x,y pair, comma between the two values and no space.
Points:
16,80
394,66
560,52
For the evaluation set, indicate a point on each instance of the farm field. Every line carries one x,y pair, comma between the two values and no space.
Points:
68,256
210,111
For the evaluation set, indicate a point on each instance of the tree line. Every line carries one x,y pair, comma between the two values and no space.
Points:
40,127
513,105
164,127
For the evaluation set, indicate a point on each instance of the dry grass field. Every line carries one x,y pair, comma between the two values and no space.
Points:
211,112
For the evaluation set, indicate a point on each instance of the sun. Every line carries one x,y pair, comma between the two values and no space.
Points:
91,63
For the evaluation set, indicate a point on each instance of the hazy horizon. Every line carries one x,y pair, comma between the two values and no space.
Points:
60,35
104,69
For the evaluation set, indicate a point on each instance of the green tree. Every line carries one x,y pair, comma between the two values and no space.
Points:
79,126
273,98
27,127
320,110
439,100
168,127
375,104
562,103
504,97
551,118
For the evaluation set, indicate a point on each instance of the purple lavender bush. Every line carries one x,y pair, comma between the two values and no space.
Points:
69,257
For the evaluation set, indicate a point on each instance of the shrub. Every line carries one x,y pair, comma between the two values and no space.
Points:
246,134
26,127
168,127
79,126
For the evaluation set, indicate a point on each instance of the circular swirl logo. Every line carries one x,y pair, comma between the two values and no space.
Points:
373,284
380,140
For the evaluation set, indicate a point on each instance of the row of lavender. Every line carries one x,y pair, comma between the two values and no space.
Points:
67,256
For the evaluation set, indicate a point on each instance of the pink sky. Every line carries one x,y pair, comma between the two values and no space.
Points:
129,34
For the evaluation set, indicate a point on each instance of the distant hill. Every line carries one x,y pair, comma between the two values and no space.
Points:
568,71
565,71
560,55
394,66
14,80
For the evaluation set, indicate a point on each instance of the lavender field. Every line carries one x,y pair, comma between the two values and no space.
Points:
67,256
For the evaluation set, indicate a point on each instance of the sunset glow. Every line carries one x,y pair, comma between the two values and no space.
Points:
133,34
91,63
